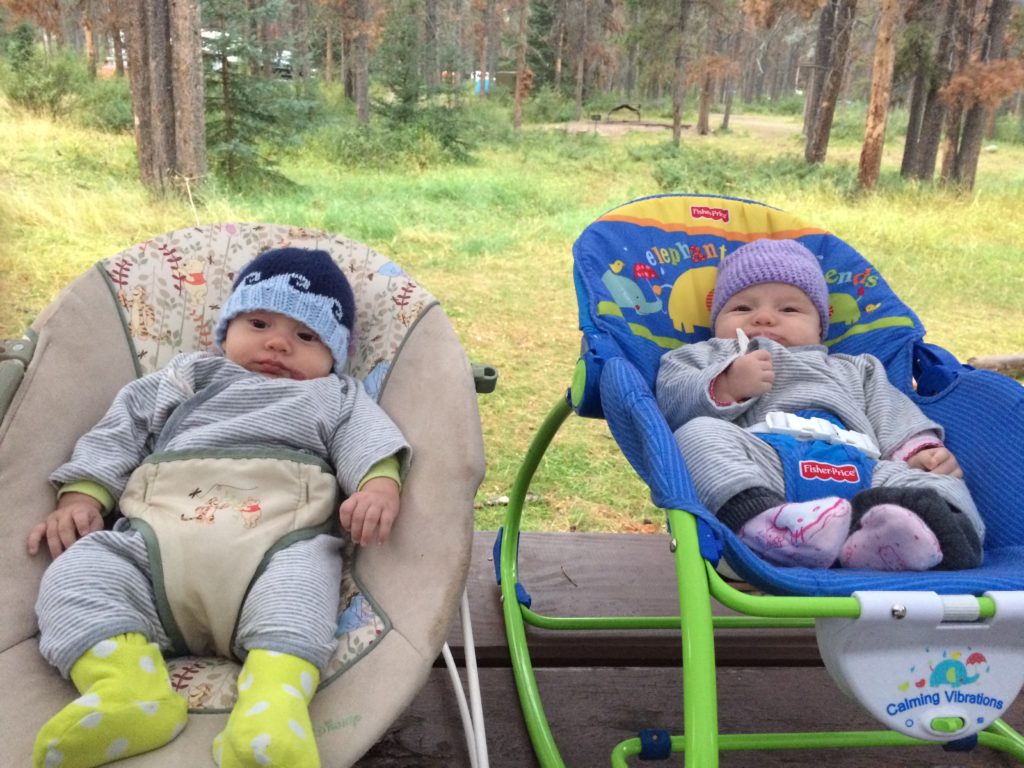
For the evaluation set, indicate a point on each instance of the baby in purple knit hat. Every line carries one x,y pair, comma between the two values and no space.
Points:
813,459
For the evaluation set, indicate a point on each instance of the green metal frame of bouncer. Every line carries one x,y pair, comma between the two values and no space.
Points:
701,741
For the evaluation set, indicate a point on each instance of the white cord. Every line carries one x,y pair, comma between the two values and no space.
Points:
472,721
473,680
460,697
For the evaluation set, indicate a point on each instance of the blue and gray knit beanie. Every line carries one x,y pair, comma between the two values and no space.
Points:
772,261
305,285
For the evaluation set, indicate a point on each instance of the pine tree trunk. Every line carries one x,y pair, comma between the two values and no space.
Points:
965,168
822,57
881,89
189,101
149,54
581,60
678,78
955,113
361,61
817,143
930,136
517,108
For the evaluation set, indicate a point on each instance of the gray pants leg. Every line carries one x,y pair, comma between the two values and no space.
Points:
724,459
99,587
293,606
102,586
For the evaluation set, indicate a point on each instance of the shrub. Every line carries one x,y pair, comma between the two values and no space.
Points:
39,83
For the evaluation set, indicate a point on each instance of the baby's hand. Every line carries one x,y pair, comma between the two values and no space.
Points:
371,511
76,515
747,376
938,460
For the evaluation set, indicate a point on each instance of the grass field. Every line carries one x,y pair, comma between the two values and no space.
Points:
492,241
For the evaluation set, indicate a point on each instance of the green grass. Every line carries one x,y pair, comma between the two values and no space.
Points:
492,240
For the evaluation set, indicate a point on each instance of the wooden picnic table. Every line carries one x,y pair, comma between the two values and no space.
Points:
600,688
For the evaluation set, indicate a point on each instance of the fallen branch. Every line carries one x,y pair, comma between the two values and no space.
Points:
1011,365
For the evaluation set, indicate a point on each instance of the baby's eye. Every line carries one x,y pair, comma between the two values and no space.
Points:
258,322
308,336
741,308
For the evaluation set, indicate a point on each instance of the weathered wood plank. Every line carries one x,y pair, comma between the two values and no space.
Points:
592,574
591,710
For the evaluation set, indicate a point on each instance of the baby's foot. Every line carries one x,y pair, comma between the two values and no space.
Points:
269,724
891,538
127,707
807,534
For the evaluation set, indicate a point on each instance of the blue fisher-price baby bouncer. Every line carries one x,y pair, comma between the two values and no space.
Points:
937,657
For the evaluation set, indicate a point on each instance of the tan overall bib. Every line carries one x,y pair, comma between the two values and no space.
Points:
211,520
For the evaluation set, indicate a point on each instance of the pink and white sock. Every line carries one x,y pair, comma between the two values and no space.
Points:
808,534
891,538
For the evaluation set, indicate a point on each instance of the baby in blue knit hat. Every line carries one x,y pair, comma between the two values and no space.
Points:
238,554
813,459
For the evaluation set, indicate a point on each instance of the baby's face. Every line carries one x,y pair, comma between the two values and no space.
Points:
277,346
777,311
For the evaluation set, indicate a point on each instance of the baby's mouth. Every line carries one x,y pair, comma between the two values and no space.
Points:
274,368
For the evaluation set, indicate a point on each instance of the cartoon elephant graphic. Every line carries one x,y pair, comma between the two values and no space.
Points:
689,304
951,672
627,294
843,308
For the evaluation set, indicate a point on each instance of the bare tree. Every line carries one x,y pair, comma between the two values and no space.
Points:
881,91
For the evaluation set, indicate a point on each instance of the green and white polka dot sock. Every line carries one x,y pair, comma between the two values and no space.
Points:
270,723
127,707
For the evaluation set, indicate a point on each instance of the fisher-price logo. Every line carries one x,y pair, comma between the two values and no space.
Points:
818,470
703,212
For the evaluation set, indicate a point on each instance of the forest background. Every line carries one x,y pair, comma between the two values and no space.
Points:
472,140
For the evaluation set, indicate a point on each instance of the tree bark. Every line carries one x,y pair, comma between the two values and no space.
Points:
822,57
517,108
954,113
927,151
965,167
678,75
881,89
817,140
361,61
581,58
187,84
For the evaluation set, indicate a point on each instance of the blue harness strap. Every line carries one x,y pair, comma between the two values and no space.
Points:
813,469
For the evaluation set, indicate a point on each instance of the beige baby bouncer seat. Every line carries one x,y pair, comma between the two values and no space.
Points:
130,315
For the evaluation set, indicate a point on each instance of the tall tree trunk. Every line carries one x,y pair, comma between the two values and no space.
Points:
329,48
581,57
914,122
521,44
559,52
115,33
431,55
955,112
152,97
361,61
678,73
881,89
927,151
822,57
965,168
817,140
187,82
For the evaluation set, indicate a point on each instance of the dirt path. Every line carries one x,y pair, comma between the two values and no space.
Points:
758,126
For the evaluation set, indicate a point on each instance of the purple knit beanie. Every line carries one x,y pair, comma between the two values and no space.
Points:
772,261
